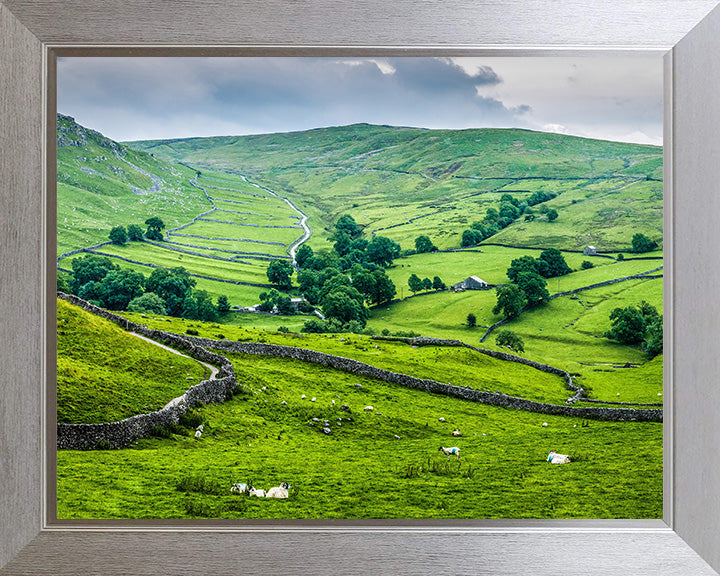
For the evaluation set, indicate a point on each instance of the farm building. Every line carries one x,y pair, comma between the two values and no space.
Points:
470,283
589,251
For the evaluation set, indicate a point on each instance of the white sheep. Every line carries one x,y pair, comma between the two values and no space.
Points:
198,433
456,433
555,458
260,493
544,424
278,491
449,451
239,488
368,408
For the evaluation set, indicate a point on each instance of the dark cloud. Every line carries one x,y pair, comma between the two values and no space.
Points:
272,94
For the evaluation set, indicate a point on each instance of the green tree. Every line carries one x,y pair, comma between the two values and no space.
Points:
90,267
118,235
279,272
285,306
427,284
189,308
552,215
414,283
303,254
509,339
424,244
438,284
382,251
471,320
653,342
135,233
526,264
534,287
510,301
63,282
628,325
586,265
154,228
119,287
471,238
344,303
206,310
148,303
641,243
223,305
346,224
556,265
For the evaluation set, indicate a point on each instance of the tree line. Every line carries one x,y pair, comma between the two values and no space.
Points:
169,292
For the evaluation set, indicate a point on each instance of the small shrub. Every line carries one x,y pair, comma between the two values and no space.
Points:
471,320
192,332
190,419
283,329
220,336
385,332
586,264
160,432
102,444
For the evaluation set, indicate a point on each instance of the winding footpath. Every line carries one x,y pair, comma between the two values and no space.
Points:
213,371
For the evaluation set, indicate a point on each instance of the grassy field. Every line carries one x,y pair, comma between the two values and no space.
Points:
105,374
361,470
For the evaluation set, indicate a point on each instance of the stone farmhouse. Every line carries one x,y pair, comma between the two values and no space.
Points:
590,251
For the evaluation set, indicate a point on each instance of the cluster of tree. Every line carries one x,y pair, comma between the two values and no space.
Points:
100,281
134,233
343,280
641,324
283,304
641,243
510,209
528,287
417,285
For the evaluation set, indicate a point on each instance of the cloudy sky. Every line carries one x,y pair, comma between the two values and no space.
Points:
607,97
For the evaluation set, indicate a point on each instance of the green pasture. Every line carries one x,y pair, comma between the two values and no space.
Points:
361,470
219,230
231,245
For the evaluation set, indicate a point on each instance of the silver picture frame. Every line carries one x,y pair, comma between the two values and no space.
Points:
33,33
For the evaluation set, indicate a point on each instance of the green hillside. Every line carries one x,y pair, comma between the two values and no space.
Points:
445,179
102,184
105,374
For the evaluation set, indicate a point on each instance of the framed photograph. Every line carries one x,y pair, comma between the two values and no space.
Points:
109,503
319,257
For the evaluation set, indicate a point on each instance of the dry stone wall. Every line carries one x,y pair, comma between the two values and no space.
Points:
432,386
121,433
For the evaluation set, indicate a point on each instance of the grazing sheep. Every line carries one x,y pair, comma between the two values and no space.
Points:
302,397
449,451
260,493
368,408
198,433
555,458
278,491
456,433
313,399
544,424
441,419
239,488
201,427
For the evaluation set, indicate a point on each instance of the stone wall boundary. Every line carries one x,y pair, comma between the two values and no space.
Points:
121,433
463,392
